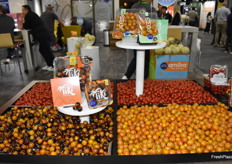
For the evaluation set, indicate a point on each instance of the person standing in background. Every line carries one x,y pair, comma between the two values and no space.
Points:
208,23
229,33
48,17
165,14
7,26
221,23
74,21
159,12
87,26
40,33
177,17
59,34
193,17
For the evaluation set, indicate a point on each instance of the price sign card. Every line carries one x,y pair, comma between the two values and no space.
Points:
66,91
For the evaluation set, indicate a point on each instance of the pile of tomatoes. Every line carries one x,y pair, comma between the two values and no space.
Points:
174,129
147,27
163,92
127,22
40,94
112,88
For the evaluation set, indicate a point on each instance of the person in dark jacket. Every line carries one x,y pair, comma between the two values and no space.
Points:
40,33
159,12
59,34
176,19
229,34
166,15
74,21
87,26
7,26
144,4
208,23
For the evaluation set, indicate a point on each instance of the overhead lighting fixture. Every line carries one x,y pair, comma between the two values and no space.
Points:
125,4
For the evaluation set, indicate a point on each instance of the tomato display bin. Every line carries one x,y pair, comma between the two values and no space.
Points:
20,94
223,157
154,94
168,66
107,152
115,159
28,87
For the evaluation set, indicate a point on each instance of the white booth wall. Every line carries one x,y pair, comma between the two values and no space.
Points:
16,5
61,8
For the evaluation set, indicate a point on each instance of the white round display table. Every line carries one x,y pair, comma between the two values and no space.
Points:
139,60
84,114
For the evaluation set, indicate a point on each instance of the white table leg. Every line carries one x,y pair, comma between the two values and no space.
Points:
84,118
28,56
140,71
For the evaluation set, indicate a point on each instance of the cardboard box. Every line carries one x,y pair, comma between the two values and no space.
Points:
175,33
169,67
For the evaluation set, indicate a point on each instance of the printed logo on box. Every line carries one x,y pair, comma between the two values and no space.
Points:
66,90
99,94
174,66
127,32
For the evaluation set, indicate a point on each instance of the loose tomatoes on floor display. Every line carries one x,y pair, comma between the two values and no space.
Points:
163,92
45,131
40,94
174,129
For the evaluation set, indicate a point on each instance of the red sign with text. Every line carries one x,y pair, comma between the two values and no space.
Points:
66,91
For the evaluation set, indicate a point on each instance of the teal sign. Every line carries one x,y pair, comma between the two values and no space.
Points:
80,21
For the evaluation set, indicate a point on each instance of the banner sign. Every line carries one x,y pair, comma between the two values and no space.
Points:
80,21
172,66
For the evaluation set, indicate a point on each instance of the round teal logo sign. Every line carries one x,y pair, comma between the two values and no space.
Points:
166,2
80,21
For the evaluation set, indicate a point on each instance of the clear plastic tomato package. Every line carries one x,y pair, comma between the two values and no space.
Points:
220,89
98,93
126,24
230,93
218,74
70,66
207,81
147,30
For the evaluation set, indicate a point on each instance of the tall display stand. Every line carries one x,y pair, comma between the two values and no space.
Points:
139,60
